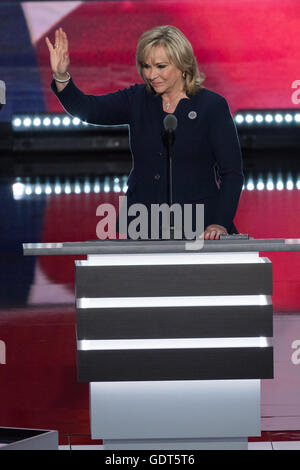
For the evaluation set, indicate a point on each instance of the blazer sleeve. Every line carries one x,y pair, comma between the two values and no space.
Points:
227,152
110,109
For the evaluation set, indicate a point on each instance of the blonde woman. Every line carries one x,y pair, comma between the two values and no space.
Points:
207,162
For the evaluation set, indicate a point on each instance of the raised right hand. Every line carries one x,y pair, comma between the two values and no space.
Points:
59,55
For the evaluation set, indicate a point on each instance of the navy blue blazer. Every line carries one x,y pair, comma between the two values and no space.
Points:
207,161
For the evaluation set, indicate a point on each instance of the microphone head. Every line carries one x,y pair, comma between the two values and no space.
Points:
170,122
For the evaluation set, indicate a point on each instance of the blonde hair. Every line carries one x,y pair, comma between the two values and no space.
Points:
179,51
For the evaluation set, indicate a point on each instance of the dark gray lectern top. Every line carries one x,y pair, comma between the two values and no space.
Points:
161,246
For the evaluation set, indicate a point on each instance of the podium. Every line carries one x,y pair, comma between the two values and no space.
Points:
173,342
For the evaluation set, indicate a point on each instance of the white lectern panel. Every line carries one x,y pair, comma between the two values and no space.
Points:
175,409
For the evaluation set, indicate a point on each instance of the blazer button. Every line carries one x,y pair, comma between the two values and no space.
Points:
157,177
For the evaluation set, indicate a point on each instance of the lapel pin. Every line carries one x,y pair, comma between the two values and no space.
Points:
192,115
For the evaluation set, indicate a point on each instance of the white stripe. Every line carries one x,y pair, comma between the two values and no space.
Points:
180,301
150,259
170,343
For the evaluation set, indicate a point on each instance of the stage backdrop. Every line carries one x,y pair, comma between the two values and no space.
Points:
248,50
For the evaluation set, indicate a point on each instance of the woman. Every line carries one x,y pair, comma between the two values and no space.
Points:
207,163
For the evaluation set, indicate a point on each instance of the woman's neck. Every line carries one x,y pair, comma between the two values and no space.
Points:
172,96
171,100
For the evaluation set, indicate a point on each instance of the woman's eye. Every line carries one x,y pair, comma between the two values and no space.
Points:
161,66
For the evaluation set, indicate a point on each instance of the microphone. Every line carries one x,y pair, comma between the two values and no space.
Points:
170,123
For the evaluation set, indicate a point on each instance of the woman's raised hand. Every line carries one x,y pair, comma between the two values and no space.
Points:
59,55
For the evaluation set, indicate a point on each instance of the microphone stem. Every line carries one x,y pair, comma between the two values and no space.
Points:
170,182
170,124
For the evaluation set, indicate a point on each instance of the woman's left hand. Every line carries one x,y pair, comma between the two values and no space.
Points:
213,232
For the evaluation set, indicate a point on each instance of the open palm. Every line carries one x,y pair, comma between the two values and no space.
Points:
59,55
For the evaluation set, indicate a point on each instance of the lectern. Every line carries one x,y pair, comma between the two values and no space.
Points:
174,342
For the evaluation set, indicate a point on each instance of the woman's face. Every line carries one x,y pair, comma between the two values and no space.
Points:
163,76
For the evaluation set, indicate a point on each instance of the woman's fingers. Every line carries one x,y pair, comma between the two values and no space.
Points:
64,38
65,44
211,235
213,232
57,39
62,44
60,40
59,55
50,47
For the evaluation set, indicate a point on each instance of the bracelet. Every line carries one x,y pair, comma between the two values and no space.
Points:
62,81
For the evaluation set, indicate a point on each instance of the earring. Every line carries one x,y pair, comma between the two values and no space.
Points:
183,74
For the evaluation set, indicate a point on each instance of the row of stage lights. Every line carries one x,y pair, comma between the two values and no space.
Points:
52,122
117,184
267,118
27,188
46,122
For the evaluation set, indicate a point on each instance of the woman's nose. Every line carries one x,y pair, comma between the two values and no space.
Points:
152,74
